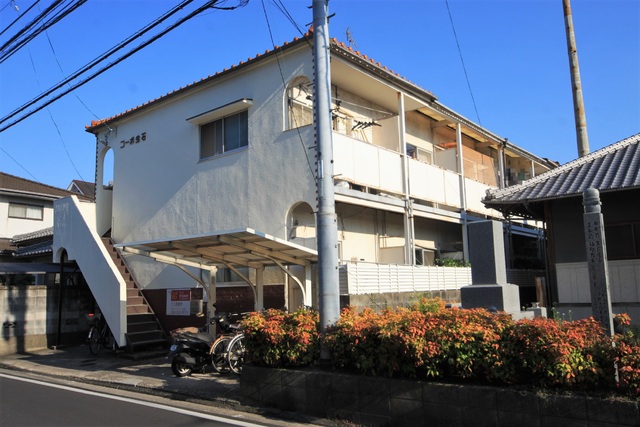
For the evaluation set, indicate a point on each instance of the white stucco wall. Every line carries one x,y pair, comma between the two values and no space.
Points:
10,227
162,190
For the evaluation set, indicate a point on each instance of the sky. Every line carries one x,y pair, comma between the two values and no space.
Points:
502,64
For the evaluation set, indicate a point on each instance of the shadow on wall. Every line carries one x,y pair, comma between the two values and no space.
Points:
33,318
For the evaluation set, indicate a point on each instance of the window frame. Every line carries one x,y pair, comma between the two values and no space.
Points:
297,105
219,145
26,207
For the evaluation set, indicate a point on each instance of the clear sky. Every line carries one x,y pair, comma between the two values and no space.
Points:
514,52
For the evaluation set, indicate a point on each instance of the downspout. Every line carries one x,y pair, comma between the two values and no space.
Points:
502,182
463,192
409,237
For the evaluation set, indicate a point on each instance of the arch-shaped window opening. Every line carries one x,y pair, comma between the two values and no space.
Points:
302,225
299,103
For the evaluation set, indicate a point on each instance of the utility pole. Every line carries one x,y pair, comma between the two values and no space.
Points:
327,225
578,102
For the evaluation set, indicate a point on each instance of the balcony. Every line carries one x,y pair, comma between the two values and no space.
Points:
373,167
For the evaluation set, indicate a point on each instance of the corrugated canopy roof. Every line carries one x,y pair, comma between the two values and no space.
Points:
612,168
245,247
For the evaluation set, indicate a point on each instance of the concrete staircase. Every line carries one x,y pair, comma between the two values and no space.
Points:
144,332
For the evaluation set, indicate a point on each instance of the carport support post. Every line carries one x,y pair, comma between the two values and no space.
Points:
597,260
212,300
259,289
329,303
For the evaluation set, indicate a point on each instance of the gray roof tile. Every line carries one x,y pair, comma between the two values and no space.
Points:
615,167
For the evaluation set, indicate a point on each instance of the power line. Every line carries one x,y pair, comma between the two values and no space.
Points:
284,84
98,60
207,5
64,145
455,35
16,43
19,17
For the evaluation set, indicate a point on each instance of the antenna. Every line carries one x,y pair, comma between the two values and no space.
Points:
350,40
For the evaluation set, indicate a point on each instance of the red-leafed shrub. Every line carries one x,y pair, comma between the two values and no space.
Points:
627,357
429,341
279,339
553,353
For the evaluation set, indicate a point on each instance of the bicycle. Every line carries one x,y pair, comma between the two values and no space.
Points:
236,353
99,333
219,353
220,348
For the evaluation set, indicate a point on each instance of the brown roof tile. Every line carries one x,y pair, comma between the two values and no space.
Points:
16,184
306,38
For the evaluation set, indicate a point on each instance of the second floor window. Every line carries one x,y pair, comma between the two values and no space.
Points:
225,134
17,210
300,103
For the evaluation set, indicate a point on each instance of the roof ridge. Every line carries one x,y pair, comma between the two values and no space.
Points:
36,182
633,139
187,86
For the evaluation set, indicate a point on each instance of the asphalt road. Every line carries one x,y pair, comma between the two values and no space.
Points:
33,402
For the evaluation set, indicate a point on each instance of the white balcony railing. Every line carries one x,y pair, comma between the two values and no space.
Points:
372,166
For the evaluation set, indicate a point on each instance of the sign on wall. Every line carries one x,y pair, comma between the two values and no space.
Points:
184,302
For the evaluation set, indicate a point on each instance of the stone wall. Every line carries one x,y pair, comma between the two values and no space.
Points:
374,401
29,316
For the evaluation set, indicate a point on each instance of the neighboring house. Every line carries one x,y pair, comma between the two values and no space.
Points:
84,188
556,198
26,217
218,178
33,316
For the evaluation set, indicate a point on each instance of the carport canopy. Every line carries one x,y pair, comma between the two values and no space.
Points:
245,247
231,249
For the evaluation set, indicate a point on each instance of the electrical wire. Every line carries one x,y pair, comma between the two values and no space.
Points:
19,17
64,145
455,35
18,163
284,84
7,50
98,60
207,5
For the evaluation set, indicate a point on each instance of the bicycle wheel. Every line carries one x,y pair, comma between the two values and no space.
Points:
236,354
219,355
95,340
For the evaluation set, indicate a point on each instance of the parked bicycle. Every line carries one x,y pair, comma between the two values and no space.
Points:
99,333
194,349
221,346
236,353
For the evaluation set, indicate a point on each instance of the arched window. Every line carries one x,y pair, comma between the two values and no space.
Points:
299,103
302,225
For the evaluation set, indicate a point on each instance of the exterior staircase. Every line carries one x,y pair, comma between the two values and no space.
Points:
144,332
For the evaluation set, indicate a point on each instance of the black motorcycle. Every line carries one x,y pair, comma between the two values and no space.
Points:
191,348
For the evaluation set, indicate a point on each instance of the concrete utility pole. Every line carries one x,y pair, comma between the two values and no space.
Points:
327,225
578,102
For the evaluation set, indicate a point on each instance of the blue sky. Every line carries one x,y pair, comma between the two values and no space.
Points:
514,52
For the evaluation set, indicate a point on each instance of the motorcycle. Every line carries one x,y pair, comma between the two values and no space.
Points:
191,348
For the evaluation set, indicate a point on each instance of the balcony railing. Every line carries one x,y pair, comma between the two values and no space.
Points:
371,166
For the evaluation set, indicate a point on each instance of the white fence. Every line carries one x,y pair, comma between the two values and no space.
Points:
359,278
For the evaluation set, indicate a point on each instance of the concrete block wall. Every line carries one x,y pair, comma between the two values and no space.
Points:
374,401
29,316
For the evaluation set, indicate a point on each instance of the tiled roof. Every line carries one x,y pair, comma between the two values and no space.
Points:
40,248
14,184
612,168
85,188
335,44
39,234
